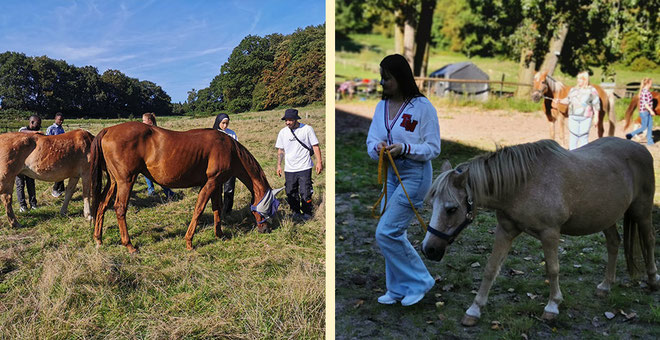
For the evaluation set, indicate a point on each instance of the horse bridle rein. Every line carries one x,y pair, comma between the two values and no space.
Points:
469,217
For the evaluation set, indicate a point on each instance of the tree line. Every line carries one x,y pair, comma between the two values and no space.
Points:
539,34
44,86
264,73
261,73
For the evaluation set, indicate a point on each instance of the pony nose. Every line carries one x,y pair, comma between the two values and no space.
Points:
433,253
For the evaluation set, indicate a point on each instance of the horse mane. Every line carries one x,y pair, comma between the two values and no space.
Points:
249,162
554,84
498,173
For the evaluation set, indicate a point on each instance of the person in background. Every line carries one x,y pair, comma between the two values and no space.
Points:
296,144
583,105
150,119
23,181
406,124
57,129
646,112
222,124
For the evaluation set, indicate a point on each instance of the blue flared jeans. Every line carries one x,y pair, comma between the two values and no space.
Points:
405,273
647,124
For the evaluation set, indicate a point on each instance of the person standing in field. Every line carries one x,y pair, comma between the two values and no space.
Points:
646,112
23,181
583,106
406,124
57,129
296,144
222,124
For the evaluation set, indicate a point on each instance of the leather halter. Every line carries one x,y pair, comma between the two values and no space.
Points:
469,217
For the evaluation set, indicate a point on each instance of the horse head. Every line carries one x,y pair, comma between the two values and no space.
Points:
266,209
540,85
452,210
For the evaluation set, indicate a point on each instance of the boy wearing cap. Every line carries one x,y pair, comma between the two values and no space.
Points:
296,143
57,129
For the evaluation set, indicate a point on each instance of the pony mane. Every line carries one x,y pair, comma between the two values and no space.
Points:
498,173
554,84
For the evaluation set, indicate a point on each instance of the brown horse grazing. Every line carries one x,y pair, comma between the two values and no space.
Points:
549,88
46,158
202,157
633,105
545,191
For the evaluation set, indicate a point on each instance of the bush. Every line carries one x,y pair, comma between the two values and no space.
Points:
643,64
15,114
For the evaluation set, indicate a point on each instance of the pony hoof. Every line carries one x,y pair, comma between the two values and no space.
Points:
16,225
547,316
133,251
602,292
469,321
654,285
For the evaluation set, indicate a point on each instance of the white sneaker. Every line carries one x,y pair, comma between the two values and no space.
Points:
387,300
410,300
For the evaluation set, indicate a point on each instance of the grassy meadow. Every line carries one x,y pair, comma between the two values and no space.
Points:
518,294
55,284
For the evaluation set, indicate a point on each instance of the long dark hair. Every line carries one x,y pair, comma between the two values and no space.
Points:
399,68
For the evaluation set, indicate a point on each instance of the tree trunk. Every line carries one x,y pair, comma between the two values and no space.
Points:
556,44
423,36
398,34
409,38
525,73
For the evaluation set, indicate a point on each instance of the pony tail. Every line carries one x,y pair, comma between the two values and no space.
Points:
97,168
631,244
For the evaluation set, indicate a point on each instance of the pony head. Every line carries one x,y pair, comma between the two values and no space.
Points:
540,85
452,210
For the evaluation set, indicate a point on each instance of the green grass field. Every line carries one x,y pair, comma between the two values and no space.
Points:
54,283
518,295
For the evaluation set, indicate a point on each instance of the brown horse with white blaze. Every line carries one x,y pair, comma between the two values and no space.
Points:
548,88
201,157
46,158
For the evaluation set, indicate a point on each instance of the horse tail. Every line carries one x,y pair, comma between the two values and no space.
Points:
632,243
97,168
629,111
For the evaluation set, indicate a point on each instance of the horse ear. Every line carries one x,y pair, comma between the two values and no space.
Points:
461,174
446,166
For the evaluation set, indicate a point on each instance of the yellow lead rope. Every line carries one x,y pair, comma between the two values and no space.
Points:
382,179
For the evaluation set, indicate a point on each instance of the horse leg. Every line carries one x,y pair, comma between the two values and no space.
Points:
70,188
601,124
216,204
562,128
552,129
203,197
503,240
87,196
550,243
647,236
100,213
6,200
121,207
612,241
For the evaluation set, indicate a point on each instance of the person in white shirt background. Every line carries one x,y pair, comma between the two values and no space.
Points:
296,144
405,123
57,129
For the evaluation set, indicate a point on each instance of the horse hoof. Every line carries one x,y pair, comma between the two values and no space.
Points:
133,251
469,321
654,285
602,292
547,316
16,225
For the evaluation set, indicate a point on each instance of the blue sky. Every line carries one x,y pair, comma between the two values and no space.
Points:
179,45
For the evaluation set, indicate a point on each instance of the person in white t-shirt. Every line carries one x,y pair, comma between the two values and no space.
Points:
296,143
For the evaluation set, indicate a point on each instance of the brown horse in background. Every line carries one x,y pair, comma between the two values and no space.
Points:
46,158
633,105
549,88
173,159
